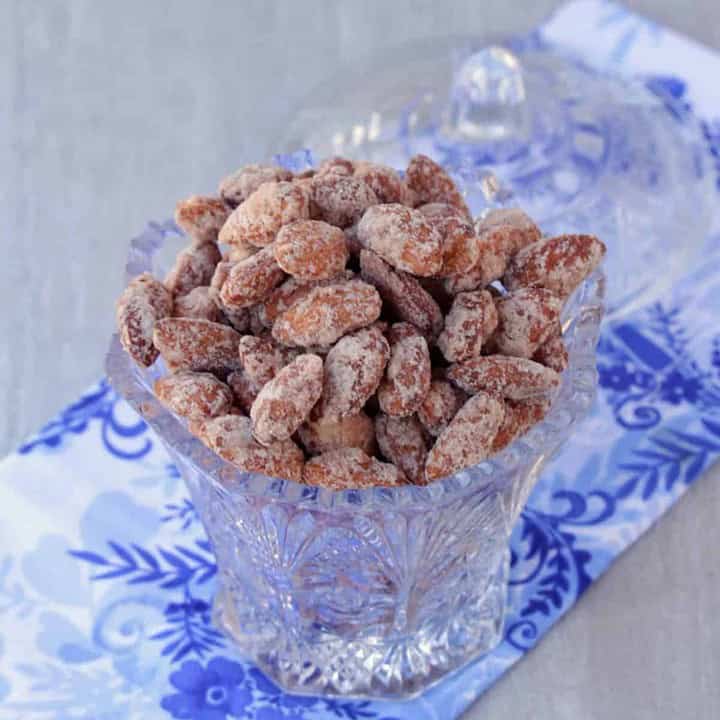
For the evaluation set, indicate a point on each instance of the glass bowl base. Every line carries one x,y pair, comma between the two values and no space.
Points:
377,667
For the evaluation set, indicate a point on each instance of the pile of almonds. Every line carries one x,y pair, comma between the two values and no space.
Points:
348,326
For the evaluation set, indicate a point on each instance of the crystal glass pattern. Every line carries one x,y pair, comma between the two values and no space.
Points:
377,592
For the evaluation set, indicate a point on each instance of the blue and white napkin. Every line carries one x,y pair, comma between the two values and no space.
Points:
106,577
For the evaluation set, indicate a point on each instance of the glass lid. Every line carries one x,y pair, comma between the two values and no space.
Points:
520,124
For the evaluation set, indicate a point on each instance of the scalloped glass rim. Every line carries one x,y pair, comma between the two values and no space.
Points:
581,322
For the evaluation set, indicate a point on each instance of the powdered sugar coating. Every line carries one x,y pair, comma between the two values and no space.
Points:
440,405
200,302
257,220
431,184
558,263
222,270
510,377
244,389
194,395
468,438
354,368
239,251
290,292
520,416
323,434
439,211
383,180
407,375
341,200
285,402
335,165
492,260
143,302
311,250
470,322
401,441
193,344
193,267
230,436
350,468
251,281
244,182
327,313
403,294
459,244
403,237
261,358
514,228
553,354
201,217
526,318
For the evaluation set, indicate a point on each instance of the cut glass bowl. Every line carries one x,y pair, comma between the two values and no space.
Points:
377,592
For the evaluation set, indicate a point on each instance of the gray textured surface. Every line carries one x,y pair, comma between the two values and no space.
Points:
111,111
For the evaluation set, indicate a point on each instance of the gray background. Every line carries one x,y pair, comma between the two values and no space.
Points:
111,111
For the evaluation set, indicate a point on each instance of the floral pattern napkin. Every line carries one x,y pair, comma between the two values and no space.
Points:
106,577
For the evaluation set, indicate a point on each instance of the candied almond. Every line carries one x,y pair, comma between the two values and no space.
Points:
201,217
290,292
327,313
237,318
510,377
437,212
401,441
239,251
200,302
341,200
403,294
244,389
490,266
468,438
470,322
526,318
353,370
440,405
285,402
350,468
407,375
460,247
402,237
193,344
520,416
194,395
194,267
513,228
222,270
261,358
244,182
251,281
143,302
324,434
311,250
337,165
432,184
553,354
230,436
257,220
383,180
558,263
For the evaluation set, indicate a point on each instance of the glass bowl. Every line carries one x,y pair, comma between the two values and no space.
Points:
377,592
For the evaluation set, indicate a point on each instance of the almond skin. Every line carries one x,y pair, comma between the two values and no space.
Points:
468,438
